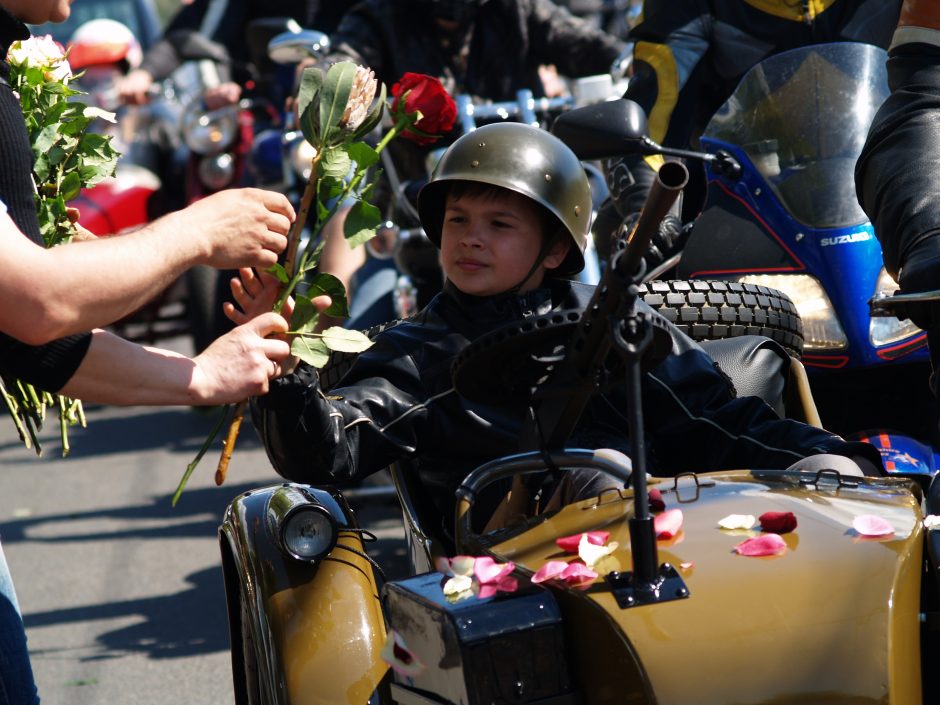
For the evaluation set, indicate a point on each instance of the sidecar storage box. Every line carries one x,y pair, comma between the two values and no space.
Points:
498,650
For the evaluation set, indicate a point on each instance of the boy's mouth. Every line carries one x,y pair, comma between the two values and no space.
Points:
470,265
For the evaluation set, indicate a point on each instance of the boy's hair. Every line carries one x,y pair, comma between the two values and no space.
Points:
551,227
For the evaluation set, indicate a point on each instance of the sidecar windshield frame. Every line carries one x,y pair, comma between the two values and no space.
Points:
801,117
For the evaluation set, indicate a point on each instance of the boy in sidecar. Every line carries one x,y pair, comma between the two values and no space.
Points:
509,207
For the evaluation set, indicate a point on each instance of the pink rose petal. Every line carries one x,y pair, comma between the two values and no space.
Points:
570,543
489,571
397,655
577,574
668,524
552,569
507,584
871,525
764,545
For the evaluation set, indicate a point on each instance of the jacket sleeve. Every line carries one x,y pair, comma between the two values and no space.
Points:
896,174
570,43
349,432
669,42
697,423
47,367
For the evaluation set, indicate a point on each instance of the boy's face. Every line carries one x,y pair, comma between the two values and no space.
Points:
39,11
490,240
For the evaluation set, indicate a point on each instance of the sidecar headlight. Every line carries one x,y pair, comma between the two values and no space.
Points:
888,329
821,327
308,532
209,132
301,158
217,171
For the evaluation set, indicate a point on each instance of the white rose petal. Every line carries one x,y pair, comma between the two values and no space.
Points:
93,112
931,521
458,584
738,521
591,553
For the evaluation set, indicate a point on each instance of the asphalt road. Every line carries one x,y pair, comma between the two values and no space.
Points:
122,592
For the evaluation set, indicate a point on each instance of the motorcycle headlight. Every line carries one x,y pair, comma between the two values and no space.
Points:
301,158
217,172
888,329
303,528
209,132
821,327
308,532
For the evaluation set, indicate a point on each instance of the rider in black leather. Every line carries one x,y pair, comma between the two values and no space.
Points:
399,401
689,56
896,174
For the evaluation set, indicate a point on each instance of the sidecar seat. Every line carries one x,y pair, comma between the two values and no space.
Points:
758,366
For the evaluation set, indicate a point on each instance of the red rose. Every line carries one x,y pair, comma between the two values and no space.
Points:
778,522
424,94
657,503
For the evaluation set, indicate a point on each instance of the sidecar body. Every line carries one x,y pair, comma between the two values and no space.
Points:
838,616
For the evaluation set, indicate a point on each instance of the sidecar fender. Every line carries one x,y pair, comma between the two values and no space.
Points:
302,632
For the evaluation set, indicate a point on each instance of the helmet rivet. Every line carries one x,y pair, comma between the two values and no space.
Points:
548,177
577,210
475,163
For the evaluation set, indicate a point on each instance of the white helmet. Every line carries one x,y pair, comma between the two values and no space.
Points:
103,41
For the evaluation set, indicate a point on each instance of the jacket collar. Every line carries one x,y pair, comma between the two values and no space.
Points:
501,307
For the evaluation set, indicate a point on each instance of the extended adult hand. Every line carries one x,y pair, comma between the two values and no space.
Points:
244,227
241,363
223,95
134,88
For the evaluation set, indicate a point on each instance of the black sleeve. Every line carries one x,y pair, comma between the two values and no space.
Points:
48,366
896,174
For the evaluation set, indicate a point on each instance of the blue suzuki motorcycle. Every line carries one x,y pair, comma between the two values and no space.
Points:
786,216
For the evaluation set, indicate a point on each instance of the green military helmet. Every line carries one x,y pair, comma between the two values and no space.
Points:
524,159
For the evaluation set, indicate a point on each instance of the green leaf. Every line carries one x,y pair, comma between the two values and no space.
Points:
335,163
47,137
343,340
361,223
278,271
333,99
324,283
313,351
363,154
311,81
305,316
70,186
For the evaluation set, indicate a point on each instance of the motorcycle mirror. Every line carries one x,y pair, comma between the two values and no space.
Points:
294,47
261,31
613,128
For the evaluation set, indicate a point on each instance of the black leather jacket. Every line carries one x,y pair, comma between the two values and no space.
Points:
896,174
398,402
509,40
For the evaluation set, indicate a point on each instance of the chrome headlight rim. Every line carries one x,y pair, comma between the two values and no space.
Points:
216,171
296,514
209,132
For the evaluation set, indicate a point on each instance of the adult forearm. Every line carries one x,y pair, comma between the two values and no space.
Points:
83,285
118,372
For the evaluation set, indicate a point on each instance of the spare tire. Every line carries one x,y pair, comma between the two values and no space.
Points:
707,309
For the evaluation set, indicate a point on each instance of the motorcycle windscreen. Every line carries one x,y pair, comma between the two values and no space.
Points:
802,117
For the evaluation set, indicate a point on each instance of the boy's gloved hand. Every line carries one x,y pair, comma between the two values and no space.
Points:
668,239
921,272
